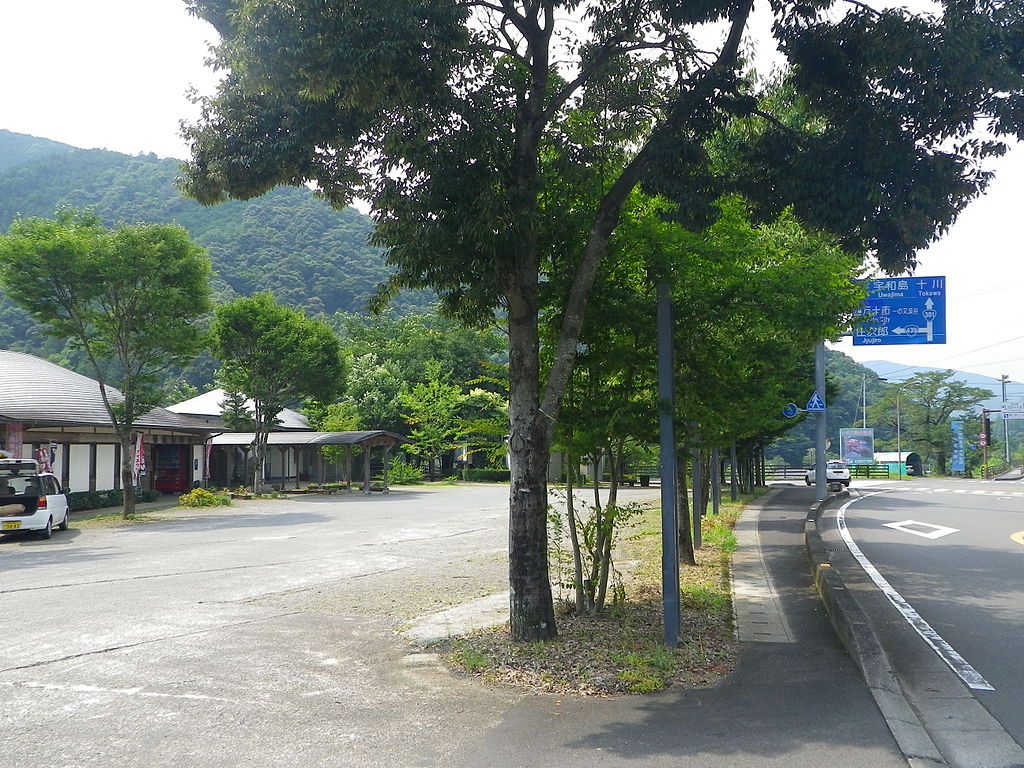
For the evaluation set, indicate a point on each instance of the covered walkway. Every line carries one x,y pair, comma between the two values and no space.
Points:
300,457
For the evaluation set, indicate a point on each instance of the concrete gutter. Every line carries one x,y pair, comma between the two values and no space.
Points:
857,635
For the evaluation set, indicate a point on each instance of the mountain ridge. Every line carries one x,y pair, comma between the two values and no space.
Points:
289,242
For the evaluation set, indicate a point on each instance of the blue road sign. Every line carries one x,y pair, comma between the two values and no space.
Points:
902,310
815,404
790,411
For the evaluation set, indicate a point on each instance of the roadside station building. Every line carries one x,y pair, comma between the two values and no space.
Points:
57,416
53,414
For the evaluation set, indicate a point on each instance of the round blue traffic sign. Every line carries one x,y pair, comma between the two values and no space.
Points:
790,411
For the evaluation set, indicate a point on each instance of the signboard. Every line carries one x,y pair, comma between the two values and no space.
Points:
815,404
857,446
790,411
902,310
1012,415
959,457
1013,406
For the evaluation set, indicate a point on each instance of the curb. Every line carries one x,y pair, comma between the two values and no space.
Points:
854,631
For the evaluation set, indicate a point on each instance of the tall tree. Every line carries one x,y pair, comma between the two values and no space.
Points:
432,409
438,112
276,356
926,404
130,299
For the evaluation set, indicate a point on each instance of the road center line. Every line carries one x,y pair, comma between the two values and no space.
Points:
946,652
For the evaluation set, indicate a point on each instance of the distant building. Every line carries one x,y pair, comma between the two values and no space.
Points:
56,415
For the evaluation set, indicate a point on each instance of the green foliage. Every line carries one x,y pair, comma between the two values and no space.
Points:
446,116
200,497
401,472
307,254
83,500
432,408
275,356
927,403
487,475
129,298
471,660
645,672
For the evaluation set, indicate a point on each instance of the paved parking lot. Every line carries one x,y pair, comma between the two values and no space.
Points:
261,634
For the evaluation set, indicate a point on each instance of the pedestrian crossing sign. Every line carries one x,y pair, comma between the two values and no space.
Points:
815,404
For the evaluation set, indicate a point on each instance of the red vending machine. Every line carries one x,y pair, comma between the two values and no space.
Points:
170,471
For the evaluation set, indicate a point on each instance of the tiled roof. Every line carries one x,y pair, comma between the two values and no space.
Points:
207,406
39,393
376,437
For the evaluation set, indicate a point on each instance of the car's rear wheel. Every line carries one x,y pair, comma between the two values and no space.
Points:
47,532
807,480
64,523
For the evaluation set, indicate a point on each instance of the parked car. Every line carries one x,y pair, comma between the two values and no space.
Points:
835,472
31,500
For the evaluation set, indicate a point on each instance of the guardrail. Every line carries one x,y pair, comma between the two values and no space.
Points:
874,471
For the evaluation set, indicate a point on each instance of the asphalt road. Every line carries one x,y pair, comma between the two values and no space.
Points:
952,549
263,634
267,634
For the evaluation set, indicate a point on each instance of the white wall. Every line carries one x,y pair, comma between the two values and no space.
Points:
105,468
78,477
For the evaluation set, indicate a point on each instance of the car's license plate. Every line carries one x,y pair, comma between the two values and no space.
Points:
12,525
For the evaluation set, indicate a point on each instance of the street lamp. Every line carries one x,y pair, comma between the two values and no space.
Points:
899,452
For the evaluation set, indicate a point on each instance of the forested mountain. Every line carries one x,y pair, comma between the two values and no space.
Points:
289,242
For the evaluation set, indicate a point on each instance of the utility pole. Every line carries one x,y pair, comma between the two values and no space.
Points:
820,430
1006,427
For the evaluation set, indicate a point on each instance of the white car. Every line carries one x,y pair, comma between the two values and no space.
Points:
835,472
30,500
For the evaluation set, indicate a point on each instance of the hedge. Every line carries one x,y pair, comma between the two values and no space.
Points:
79,501
488,475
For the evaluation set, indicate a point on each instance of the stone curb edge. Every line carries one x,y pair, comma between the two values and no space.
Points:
856,634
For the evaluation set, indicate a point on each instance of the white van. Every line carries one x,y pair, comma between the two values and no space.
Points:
30,500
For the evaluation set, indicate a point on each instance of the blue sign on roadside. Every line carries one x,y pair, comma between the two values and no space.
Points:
902,310
815,404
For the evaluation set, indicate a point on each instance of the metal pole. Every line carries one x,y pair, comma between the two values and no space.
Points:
899,454
734,491
1006,428
716,481
698,496
819,423
864,398
669,520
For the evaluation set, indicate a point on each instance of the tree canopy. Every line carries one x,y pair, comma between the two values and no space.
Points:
440,112
129,299
277,357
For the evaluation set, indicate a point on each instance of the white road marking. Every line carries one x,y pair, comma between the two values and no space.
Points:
97,689
946,652
931,531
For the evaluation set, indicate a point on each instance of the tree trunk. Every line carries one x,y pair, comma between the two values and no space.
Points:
686,556
574,538
531,607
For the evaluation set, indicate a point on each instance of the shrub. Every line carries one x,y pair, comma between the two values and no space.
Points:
403,473
488,475
79,501
200,497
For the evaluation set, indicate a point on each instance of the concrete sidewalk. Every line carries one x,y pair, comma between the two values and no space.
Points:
796,700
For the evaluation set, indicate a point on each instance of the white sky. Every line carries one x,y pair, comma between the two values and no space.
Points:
114,74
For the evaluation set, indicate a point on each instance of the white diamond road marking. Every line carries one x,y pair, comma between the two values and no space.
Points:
934,532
